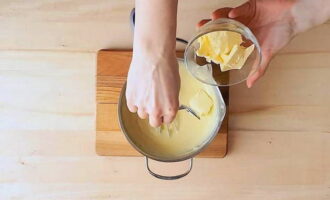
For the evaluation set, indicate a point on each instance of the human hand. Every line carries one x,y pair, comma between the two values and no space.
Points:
271,22
153,81
153,85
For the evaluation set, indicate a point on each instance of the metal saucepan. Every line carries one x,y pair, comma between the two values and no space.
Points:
126,128
122,108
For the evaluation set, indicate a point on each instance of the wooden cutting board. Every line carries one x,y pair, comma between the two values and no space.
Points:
112,68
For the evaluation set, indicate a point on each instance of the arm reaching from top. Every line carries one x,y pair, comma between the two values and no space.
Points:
153,80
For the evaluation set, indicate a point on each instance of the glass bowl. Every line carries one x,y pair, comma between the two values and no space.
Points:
210,73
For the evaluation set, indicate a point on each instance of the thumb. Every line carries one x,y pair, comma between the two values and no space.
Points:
242,10
221,13
258,71
202,22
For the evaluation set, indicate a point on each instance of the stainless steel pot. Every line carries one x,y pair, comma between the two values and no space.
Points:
122,107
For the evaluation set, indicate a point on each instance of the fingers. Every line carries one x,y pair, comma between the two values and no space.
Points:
130,103
155,119
244,13
170,115
142,113
157,114
240,10
202,22
255,76
258,71
131,107
168,118
221,13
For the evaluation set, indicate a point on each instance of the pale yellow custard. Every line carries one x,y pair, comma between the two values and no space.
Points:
186,132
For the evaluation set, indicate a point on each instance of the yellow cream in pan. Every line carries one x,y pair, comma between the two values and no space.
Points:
186,132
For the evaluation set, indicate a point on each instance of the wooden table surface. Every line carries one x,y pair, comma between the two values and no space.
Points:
279,131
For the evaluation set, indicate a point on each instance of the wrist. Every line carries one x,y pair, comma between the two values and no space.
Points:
155,47
307,14
155,28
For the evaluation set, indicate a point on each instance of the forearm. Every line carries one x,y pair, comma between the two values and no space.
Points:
310,13
155,25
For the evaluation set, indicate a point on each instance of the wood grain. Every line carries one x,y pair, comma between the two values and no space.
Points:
86,25
112,68
278,142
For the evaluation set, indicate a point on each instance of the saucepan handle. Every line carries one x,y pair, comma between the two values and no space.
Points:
165,177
